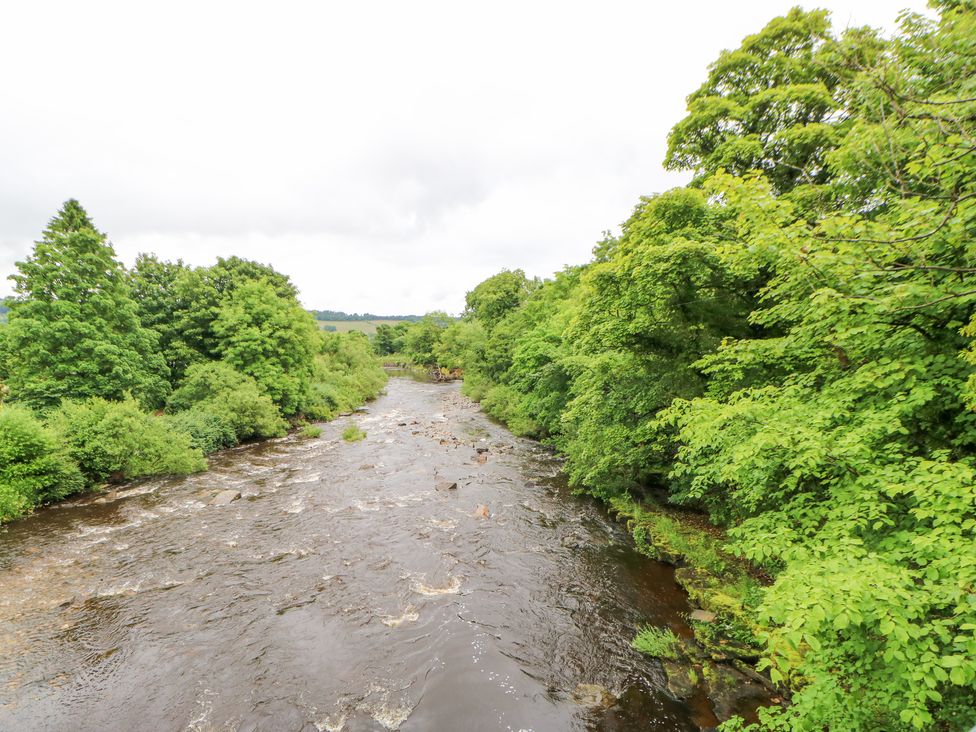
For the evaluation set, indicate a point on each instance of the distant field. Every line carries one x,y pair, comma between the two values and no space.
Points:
365,326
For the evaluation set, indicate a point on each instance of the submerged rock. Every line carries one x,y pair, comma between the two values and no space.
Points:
482,512
682,679
446,485
225,497
593,695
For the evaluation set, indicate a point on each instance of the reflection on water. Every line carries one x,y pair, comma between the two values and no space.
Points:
342,591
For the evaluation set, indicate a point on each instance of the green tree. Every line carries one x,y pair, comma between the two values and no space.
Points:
73,329
776,104
270,338
496,296
421,339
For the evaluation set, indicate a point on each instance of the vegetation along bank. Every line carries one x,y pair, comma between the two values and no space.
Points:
108,374
786,347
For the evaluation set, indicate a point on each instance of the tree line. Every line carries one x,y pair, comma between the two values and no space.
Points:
108,373
339,315
787,345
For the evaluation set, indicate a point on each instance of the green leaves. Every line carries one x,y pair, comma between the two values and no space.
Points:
73,329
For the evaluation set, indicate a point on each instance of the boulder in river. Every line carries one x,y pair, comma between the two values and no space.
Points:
482,512
446,485
225,497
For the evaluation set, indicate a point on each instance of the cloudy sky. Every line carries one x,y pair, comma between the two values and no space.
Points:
386,155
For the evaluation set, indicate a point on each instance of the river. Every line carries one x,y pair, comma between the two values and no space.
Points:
347,589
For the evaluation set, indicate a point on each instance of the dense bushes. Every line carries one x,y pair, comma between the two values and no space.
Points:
217,389
228,349
33,466
346,374
117,441
208,432
787,346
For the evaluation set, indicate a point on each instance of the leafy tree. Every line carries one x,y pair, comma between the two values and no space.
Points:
775,104
493,298
346,374
421,339
158,290
73,328
270,338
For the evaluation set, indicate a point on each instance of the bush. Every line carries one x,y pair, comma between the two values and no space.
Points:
208,432
352,433
219,389
346,375
33,467
118,441
657,642
310,430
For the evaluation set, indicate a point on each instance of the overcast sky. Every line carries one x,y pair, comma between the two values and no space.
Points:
387,156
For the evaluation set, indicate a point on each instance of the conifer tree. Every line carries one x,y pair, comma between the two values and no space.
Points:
73,330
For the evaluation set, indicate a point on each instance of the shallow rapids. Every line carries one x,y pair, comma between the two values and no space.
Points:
349,588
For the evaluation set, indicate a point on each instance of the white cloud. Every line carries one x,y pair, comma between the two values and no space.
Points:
386,155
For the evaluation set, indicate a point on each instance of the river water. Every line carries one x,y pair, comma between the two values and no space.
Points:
343,591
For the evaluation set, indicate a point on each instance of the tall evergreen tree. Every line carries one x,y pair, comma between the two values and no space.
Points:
73,330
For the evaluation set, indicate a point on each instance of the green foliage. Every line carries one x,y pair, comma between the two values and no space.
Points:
345,375
234,397
490,301
310,430
352,433
269,338
182,304
34,468
790,346
657,642
73,329
208,432
421,340
117,441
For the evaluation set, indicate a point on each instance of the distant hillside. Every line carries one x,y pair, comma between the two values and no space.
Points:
334,315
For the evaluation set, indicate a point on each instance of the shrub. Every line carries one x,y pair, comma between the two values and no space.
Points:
118,441
352,433
208,432
346,374
33,467
657,642
219,389
310,430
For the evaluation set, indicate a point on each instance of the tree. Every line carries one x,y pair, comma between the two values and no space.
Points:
270,338
775,104
73,329
493,298
160,302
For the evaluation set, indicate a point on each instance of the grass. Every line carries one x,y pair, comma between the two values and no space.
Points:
363,326
657,642
352,433
310,430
